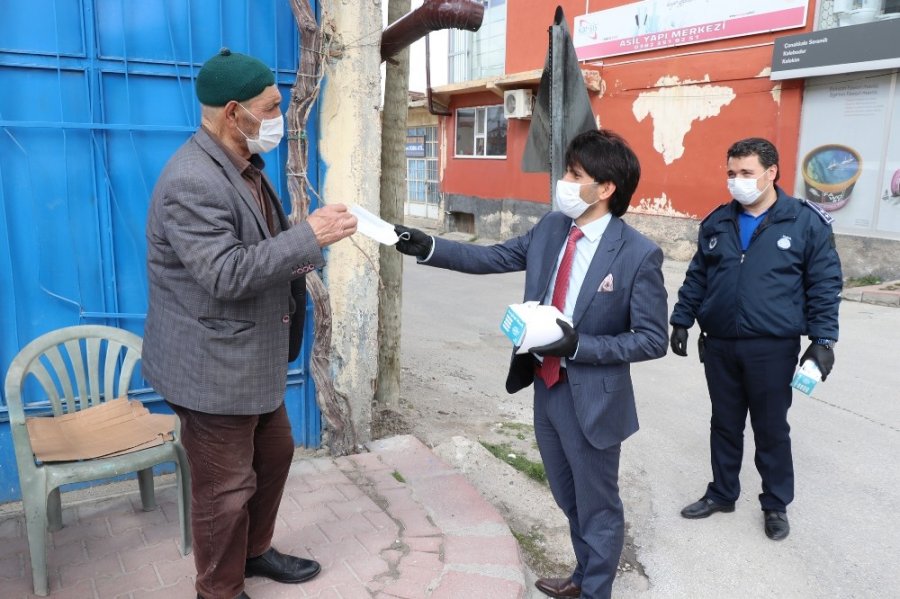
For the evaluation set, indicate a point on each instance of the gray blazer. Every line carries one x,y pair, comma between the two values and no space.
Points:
616,326
225,294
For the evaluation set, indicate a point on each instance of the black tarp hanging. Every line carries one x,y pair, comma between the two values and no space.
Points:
562,108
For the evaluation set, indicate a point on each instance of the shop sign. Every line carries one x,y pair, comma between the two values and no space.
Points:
653,24
415,146
849,152
848,49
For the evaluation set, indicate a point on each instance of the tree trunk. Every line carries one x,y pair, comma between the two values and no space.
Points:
340,434
393,194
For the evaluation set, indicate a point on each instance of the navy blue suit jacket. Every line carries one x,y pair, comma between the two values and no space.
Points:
615,328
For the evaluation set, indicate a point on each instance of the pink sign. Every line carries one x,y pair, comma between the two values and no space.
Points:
599,34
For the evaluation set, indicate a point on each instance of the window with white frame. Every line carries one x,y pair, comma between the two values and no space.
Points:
481,132
421,165
480,54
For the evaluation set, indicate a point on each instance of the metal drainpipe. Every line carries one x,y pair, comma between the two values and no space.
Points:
433,15
431,108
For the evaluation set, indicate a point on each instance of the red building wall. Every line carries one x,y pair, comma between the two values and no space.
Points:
693,183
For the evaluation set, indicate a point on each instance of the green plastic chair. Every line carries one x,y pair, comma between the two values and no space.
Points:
78,367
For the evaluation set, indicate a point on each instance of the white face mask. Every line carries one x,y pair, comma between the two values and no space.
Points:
745,190
568,198
269,136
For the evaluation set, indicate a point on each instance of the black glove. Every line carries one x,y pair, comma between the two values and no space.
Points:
822,356
564,347
679,340
701,345
413,242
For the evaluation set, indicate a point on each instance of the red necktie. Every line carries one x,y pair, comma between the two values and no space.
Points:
550,366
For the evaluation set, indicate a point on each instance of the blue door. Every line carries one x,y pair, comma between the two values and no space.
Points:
96,96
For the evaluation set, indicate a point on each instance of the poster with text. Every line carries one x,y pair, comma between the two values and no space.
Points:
652,24
842,136
889,203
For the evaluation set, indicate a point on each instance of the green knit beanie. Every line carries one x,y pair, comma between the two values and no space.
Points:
232,76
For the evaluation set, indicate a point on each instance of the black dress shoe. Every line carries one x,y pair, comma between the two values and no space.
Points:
243,595
280,567
777,526
705,508
561,588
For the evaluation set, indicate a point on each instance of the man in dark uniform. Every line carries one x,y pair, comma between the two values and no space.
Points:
765,273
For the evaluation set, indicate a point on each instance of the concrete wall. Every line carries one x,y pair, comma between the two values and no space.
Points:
493,219
350,146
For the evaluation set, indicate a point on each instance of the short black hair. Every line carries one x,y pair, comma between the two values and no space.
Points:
763,149
607,157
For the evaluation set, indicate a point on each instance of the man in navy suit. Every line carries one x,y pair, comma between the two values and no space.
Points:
607,278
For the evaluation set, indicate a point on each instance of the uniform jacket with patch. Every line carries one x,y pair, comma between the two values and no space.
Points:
786,284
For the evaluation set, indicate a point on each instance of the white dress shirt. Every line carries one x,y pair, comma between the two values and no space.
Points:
585,248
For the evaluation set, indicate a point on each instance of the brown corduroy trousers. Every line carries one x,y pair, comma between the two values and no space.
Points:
239,465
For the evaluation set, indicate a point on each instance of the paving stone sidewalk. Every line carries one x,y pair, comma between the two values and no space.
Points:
394,523
886,294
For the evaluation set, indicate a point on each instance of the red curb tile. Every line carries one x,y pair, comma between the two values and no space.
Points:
144,578
80,530
368,568
12,528
97,548
183,588
172,572
352,591
83,590
112,548
346,528
132,559
350,507
122,522
462,584
422,560
331,555
414,583
501,551
376,542
107,566
11,567
429,544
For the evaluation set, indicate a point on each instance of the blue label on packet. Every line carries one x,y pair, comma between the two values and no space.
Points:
513,327
803,383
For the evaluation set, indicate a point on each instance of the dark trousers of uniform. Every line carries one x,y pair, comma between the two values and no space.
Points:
751,375
584,481
239,466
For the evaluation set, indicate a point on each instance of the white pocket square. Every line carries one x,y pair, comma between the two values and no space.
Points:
606,285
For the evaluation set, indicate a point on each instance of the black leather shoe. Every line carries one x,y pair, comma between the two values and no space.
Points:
281,568
705,508
777,526
560,588
243,595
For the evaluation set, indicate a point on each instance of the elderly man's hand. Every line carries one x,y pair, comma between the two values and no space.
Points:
331,223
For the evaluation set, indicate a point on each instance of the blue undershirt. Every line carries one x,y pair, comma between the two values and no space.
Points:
748,225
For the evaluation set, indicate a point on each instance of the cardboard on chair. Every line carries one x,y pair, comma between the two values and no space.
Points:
112,428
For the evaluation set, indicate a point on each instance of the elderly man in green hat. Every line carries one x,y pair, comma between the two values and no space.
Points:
226,310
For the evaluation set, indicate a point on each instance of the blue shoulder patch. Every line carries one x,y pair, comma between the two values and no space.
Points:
826,218
713,211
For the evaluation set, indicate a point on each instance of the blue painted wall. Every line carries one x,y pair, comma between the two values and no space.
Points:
97,95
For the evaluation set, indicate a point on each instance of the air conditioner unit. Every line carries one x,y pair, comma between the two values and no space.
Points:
517,103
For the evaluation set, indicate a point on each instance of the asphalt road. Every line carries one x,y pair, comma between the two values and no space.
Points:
845,520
